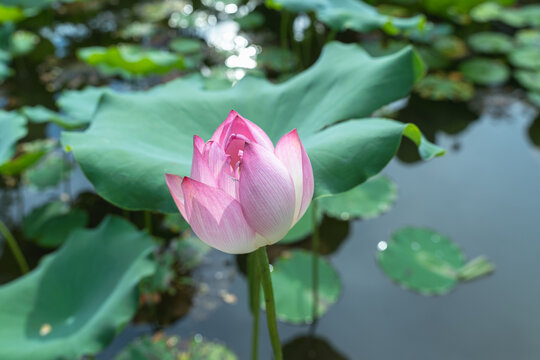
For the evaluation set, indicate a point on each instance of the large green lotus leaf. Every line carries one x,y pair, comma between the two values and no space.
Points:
292,283
421,260
368,200
135,139
483,71
51,224
77,299
13,128
349,15
130,60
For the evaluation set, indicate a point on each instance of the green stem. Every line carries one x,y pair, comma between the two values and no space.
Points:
315,265
331,35
284,30
148,221
264,267
254,301
15,249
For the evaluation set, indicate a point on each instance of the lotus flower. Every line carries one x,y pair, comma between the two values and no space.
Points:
243,193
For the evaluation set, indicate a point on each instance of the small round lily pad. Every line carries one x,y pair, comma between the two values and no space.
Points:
421,260
444,87
367,200
483,71
488,42
528,37
162,347
451,47
186,46
528,79
526,57
292,282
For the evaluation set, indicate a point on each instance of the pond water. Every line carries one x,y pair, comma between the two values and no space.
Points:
482,194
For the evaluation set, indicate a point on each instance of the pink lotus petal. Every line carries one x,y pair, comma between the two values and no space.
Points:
174,182
266,193
219,135
200,169
292,154
198,144
217,218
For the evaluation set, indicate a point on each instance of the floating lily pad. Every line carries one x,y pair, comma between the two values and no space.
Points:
451,47
490,42
138,30
139,137
424,261
51,224
368,200
432,58
130,60
27,155
349,15
430,32
161,347
5,71
13,128
526,57
80,105
302,228
41,320
527,15
483,71
48,173
528,37
534,97
528,79
421,260
486,12
444,87
292,282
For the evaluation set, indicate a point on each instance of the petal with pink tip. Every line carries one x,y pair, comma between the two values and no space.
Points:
221,132
198,144
248,129
217,218
174,182
266,193
200,169
292,154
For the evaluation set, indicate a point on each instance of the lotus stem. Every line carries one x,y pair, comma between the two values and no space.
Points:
14,247
254,301
284,30
331,35
148,222
264,268
315,265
